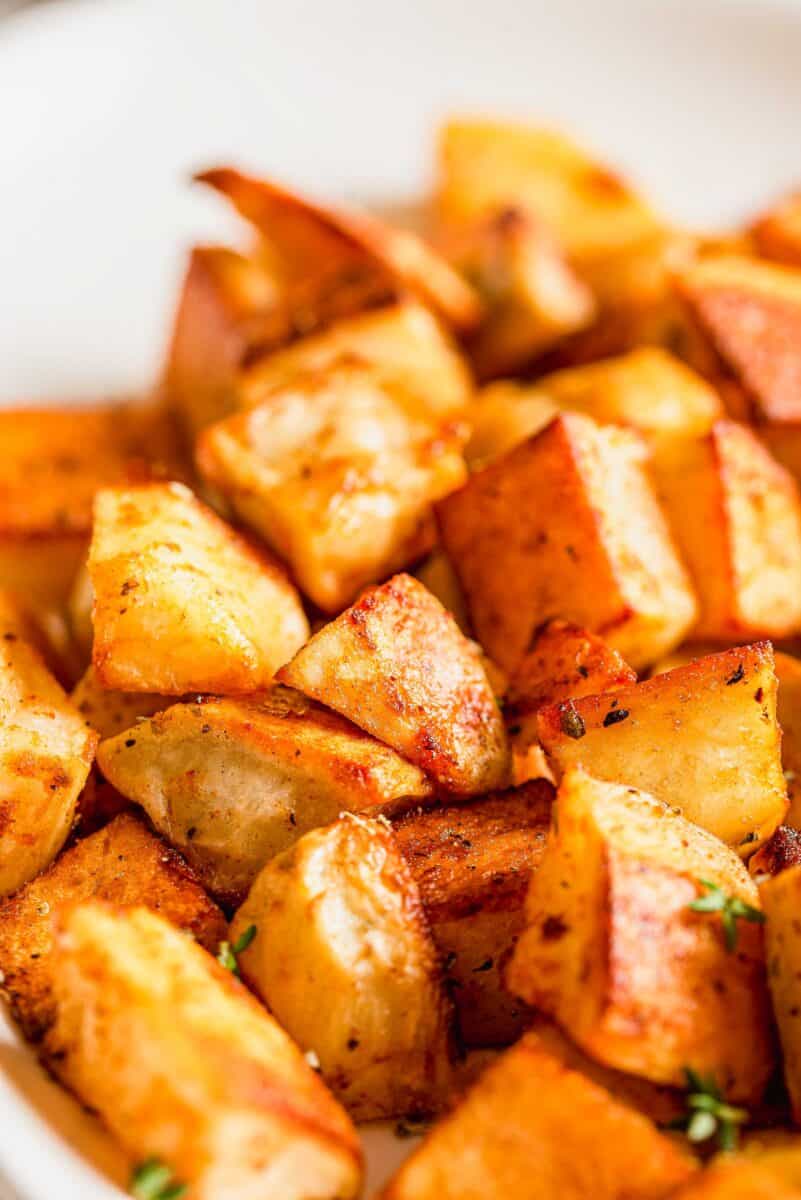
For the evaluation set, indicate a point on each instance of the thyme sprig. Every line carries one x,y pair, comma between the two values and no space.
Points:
227,955
731,908
708,1114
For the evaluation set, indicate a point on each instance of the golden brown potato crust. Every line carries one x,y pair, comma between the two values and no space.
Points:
230,783
567,525
397,664
737,1180
182,603
783,850
613,951
109,712
717,715
472,863
564,662
184,1065
780,898
124,864
531,1128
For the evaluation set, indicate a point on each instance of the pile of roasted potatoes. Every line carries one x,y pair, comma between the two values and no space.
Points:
401,707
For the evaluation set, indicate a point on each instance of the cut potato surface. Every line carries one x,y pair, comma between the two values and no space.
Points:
717,715
343,958
46,752
337,471
109,712
780,898
615,952
532,1128
397,664
182,603
230,783
124,864
215,1090
572,503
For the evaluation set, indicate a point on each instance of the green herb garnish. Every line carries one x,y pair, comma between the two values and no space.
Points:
731,908
708,1115
227,956
154,1180
571,721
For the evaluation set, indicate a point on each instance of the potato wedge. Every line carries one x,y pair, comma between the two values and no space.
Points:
182,603
404,339
736,1180
718,717
567,525
750,313
397,665
228,314
472,863
614,952
343,958
736,517
216,1090
337,472
230,783
533,1127
532,296
777,233
321,247
485,166
780,898
109,712
54,460
124,864
46,751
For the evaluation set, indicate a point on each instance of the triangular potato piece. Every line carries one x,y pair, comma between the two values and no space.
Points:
397,664
182,602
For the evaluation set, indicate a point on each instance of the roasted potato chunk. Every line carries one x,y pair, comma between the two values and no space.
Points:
472,863
124,864
108,712
215,1089
182,603
53,462
503,415
567,525
46,751
531,294
780,898
228,314
485,166
613,950
750,313
437,575
403,339
343,958
231,783
533,1127
397,664
788,708
736,1180
777,233
736,516
337,472
717,715
322,249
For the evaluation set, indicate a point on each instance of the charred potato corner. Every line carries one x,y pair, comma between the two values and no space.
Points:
400,714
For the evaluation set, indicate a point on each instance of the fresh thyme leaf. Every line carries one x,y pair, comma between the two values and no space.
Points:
244,941
731,908
154,1180
708,1115
226,955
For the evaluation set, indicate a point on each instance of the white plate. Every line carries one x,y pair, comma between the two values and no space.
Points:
105,108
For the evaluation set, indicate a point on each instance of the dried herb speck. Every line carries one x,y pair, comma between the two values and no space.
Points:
570,721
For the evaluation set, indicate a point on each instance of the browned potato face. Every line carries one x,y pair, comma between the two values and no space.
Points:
403,339
567,525
777,233
107,712
736,516
614,952
46,751
703,738
502,415
532,296
533,1127
781,851
337,472
750,313
485,166
230,783
182,603
124,864
788,672
397,665
343,958
215,1089
472,863
780,898
229,313
322,247
53,462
